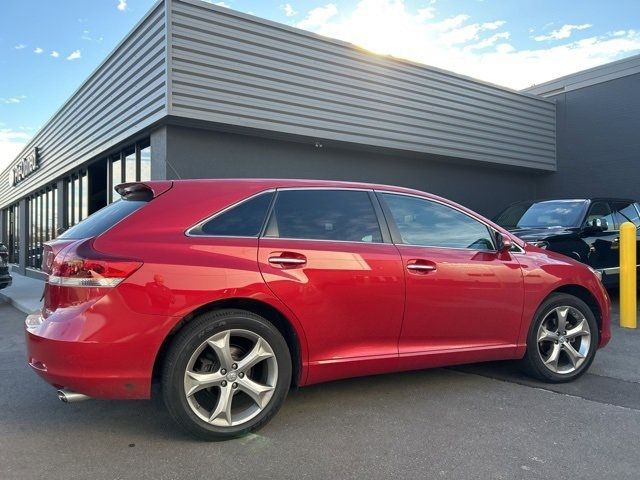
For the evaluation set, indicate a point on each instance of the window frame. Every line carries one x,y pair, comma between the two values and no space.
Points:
397,237
375,203
611,228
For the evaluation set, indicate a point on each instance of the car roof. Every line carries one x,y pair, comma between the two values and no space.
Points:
301,183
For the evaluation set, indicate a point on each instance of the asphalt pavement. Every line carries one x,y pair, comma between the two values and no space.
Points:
481,422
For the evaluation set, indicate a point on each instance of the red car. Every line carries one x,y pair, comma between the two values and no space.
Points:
228,292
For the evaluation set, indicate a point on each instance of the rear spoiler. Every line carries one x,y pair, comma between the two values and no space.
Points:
143,190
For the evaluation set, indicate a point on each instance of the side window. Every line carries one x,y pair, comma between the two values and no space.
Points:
423,222
625,212
345,215
243,220
601,210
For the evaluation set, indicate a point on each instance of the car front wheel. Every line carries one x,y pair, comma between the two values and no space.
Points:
226,374
562,339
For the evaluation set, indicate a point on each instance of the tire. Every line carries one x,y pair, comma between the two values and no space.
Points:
253,385
541,360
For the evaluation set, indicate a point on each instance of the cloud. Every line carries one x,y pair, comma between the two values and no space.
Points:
86,35
74,55
38,50
12,100
11,143
20,46
563,32
489,41
318,17
455,42
55,54
122,5
288,10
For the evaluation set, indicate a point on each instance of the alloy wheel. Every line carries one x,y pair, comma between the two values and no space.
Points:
564,340
231,377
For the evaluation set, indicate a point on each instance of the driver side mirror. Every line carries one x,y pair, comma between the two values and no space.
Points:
598,225
503,243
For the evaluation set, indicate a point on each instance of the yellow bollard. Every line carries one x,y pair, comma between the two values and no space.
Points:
628,293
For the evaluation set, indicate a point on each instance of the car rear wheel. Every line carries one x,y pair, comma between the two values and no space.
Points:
226,374
562,339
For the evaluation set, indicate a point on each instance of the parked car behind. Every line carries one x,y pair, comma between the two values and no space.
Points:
230,291
5,276
584,229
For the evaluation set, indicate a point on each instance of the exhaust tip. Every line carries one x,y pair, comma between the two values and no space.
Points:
67,396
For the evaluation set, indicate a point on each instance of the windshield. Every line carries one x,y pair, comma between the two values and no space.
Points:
553,213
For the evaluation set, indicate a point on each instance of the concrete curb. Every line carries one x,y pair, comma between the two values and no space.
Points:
25,307
24,293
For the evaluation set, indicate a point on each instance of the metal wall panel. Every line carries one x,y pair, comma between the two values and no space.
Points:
125,94
586,78
235,69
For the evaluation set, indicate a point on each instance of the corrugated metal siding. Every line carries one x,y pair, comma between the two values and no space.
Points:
126,93
239,70
586,78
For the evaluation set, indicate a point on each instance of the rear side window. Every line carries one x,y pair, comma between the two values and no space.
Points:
342,215
103,219
242,220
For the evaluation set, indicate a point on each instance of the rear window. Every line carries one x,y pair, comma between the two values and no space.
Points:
103,219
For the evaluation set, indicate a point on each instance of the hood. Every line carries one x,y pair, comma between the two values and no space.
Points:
535,234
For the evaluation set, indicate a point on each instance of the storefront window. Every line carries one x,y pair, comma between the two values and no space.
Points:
42,210
12,232
131,167
78,198
133,164
145,162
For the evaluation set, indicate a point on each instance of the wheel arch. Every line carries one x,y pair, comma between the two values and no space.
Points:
583,294
264,309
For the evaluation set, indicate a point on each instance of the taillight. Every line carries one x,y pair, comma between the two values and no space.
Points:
79,265
47,258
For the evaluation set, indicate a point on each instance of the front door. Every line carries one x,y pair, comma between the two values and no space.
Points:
324,255
464,300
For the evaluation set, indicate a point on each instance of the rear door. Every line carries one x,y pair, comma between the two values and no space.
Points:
325,254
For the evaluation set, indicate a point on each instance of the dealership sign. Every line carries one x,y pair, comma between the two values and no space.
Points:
24,168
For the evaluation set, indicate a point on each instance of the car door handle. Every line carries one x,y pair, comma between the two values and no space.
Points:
421,266
287,260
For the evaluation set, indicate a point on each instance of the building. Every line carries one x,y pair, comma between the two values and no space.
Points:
598,125
196,90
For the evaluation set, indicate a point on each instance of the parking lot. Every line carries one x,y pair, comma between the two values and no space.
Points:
484,421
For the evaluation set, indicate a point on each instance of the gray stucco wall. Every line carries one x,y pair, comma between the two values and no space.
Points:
197,153
598,141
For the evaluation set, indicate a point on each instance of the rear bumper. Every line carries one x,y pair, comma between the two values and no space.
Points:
103,356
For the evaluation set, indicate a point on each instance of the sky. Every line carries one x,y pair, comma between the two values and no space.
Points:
48,48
